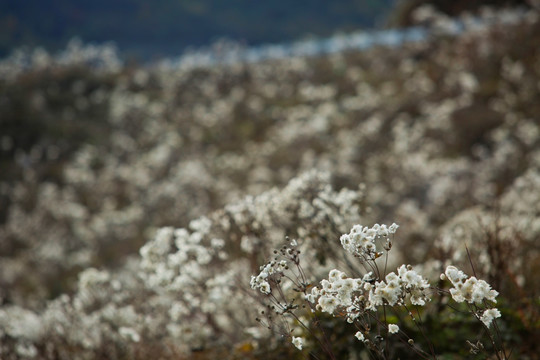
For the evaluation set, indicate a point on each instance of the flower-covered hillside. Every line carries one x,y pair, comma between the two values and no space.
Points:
137,202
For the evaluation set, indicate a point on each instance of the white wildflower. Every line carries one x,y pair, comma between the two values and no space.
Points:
360,241
26,350
489,315
359,336
265,287
129,334
298,342
471,290
393,328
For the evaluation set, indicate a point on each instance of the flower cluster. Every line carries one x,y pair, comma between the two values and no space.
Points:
338,291
360,299
468,289
489,315
396,287
361,240
260,281
353,297
473,291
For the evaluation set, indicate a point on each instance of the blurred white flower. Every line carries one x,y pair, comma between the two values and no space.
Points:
489,315
298,342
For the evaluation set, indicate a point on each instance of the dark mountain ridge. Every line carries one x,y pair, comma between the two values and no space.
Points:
167,27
